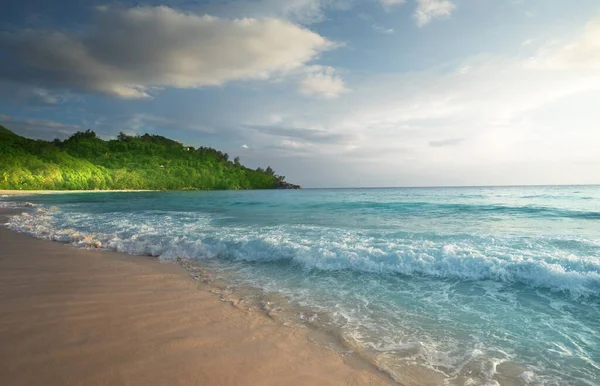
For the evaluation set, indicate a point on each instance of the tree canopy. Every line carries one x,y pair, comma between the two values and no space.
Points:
84,161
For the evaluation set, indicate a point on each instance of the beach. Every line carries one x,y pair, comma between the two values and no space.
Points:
89,317
428,286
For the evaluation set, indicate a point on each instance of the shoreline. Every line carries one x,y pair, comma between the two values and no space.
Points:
79,316
32,192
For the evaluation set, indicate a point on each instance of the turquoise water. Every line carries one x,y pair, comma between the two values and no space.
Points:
476,285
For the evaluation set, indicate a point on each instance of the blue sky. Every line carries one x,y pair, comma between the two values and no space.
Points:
328,92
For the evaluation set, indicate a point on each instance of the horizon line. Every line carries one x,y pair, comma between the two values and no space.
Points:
455,186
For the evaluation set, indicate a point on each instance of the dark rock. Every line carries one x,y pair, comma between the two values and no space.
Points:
287,185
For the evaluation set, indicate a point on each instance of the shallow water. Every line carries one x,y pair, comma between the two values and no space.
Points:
479,285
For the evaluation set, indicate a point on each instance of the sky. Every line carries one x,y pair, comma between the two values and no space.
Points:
330,93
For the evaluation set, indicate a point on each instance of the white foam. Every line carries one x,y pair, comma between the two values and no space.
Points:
528,377
325,249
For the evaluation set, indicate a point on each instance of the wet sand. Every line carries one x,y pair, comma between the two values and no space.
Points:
87,317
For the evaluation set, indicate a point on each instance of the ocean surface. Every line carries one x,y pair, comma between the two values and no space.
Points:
475,286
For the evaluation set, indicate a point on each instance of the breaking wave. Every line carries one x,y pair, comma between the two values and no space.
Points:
526,261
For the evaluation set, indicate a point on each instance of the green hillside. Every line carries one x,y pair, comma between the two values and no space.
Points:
87,162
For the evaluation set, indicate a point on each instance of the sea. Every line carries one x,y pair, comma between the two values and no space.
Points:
454,286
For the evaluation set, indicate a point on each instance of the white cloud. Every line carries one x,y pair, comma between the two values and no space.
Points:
45,96
305,11
298,11
427,10
244,146
527,42
383,30
583,53
477,124
128,51
286,143
322,81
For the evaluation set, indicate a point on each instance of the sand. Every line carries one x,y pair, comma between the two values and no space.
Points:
87,317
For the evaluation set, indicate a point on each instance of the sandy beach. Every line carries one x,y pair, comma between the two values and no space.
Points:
88,317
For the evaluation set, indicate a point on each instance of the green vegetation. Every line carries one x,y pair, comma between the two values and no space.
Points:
87,162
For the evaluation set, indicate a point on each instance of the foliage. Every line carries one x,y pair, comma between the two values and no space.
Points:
85,161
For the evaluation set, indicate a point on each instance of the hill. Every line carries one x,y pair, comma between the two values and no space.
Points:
86,162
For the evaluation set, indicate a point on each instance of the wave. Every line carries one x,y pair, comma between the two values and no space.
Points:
15,204
539,264
559,196
422,208
474,292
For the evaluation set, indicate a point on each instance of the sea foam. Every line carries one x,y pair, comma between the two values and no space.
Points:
464,258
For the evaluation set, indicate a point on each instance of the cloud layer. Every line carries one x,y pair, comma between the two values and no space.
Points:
428,10
127,52
483,118
408,107
582,54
